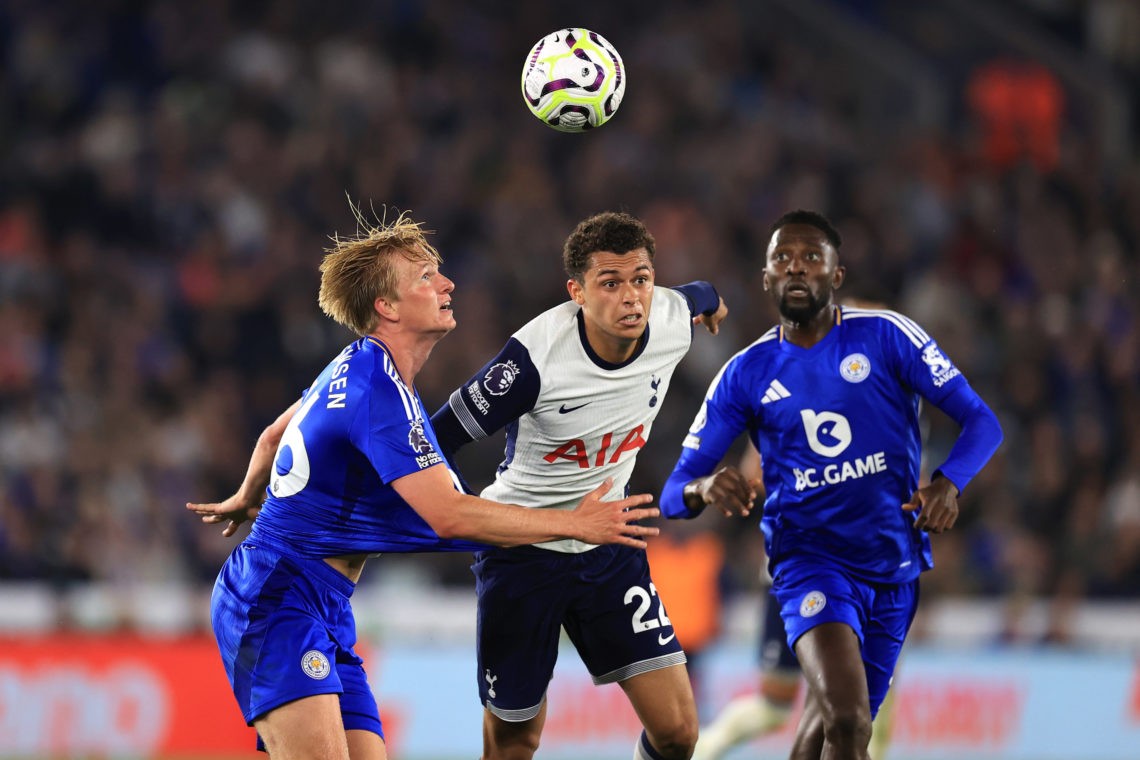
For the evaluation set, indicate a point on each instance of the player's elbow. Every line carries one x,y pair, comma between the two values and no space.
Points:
447,525
994,431
270,438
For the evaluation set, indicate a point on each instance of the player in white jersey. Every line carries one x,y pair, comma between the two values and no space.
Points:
356,470
577,389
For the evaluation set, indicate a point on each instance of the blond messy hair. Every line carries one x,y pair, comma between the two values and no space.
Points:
358,270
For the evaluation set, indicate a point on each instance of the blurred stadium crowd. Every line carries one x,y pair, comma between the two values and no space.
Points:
172,172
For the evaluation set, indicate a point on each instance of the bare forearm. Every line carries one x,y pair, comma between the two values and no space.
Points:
489,522
261,461
452,514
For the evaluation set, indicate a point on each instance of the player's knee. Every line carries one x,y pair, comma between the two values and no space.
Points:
518,748
678,740
847,726
512,741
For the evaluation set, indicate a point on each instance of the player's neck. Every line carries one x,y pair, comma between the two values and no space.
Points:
809,332
408,352
610,349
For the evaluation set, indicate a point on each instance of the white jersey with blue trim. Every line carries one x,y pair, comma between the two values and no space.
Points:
572,418
837,428
358,429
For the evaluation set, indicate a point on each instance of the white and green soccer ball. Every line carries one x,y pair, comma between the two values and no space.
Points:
573,80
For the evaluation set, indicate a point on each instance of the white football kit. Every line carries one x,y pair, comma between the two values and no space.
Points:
572,418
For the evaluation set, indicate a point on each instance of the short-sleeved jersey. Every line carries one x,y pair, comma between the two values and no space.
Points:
837,428
572,418
359,428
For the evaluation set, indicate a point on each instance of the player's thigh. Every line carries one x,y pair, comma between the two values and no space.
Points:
521,598
663,700
305,729
617,621
365,745
833,668
504,738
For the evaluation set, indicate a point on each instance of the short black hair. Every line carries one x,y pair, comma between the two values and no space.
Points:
613,231
812,218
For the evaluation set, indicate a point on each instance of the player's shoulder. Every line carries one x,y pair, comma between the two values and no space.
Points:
372,369
884,321
549,325
671,296
761,348
756,355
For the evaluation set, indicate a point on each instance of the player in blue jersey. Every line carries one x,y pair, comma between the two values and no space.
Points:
577,389
357,470
830,398
767,711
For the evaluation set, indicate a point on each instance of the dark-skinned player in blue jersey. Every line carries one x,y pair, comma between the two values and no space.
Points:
830,398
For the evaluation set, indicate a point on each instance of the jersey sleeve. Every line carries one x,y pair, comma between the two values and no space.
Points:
979,438
392,433
723,415
926,369
702,297
498,394
920,363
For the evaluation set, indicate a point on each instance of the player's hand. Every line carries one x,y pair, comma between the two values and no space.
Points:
234,510
712,321
938,503
729,491
613,522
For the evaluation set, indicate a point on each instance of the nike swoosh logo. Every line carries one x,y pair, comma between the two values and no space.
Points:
565,410
663,640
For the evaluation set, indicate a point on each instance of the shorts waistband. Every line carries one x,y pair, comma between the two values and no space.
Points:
314,567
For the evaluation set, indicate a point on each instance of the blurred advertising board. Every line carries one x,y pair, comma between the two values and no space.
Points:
117,695
126,695
983,704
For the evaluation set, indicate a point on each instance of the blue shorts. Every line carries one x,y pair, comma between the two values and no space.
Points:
812,591
286,631
776,655
605,600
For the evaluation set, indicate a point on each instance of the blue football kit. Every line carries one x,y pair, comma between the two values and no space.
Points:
837,428
572,419
281,615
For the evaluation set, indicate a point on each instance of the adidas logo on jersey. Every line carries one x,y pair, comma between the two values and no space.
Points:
775,392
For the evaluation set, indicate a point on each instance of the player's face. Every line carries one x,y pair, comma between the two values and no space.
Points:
615,296
425,298
801,271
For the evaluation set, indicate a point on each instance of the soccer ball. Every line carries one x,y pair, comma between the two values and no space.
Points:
573,80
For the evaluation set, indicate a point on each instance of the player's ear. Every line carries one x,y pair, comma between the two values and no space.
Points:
574,288
838,278
386,309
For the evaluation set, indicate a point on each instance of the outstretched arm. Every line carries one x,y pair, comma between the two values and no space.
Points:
246,503
452,514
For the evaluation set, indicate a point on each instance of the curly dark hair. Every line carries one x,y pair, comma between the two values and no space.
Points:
612,231
812,219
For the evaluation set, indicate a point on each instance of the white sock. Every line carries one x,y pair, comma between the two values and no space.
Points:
742,719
